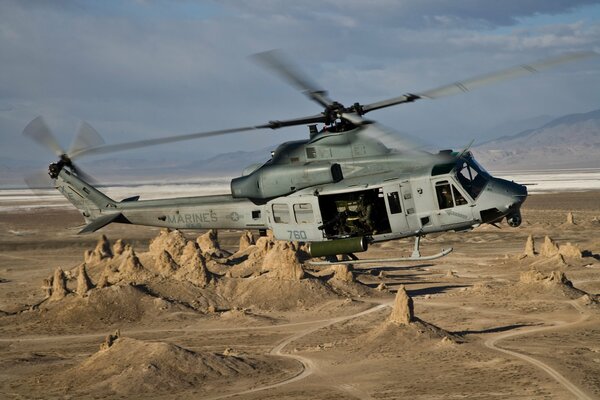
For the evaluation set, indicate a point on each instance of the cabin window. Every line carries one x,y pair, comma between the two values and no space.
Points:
444,195
256,214
281,213
394,202
304,213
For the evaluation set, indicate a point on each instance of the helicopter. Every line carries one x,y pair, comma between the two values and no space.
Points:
339,190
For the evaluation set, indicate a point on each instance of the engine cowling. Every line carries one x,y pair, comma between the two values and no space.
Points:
271,180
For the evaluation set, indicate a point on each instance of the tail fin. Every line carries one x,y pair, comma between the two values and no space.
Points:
92,203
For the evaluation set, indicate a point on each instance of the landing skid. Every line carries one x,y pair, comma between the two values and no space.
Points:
441,254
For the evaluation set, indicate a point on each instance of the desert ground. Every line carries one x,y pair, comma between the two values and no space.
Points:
144,313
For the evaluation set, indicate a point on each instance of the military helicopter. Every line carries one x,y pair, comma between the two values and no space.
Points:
340,189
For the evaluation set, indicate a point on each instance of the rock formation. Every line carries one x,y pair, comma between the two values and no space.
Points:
59,285
83,281
382,287
47,285
529,247
165,264
403,309
101,252
131,267
246,240
535,276
192,266
282,262
171,241
110,340
570,219
120,247
343,273
549,248
569,250
209,244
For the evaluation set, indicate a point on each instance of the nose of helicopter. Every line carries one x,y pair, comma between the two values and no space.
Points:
512,191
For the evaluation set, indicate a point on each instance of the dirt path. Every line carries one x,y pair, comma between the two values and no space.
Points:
309,366
570,386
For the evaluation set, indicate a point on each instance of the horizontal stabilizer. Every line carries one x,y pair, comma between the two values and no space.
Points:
100,222
132,198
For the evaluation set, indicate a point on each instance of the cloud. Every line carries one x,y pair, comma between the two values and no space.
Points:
422,14
145,69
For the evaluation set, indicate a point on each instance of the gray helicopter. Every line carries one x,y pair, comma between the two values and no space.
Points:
339,190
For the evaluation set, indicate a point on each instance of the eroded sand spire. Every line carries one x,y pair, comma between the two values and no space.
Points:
403,309
101,252
570,219
209,244
282,262
530,247
246,240
59,285
110,339
549,248
83,280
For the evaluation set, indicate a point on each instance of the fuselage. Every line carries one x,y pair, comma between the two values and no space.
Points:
333,186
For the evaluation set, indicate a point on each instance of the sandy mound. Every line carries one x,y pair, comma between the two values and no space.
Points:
125,366
550,252
174,273
277,280
402,329
101,307
570,251
268,293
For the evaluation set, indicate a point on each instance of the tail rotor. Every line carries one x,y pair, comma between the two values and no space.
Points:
86,138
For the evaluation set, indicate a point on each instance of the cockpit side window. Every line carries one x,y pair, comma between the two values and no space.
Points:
459,199
448,195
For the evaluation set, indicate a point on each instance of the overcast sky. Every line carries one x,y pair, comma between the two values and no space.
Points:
143,69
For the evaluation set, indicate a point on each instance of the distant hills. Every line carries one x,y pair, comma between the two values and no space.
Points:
571,141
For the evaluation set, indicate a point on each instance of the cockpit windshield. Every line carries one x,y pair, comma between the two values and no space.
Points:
471,175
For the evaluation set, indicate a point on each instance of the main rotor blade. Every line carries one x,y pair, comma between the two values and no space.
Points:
86,137
39,131
482,80
502,75
112,148
276,61
39,181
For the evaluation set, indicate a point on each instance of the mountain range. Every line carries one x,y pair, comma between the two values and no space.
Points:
571,141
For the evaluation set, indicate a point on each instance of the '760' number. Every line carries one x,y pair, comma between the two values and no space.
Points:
297,235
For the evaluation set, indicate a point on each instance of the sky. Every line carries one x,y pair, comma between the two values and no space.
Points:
142,69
